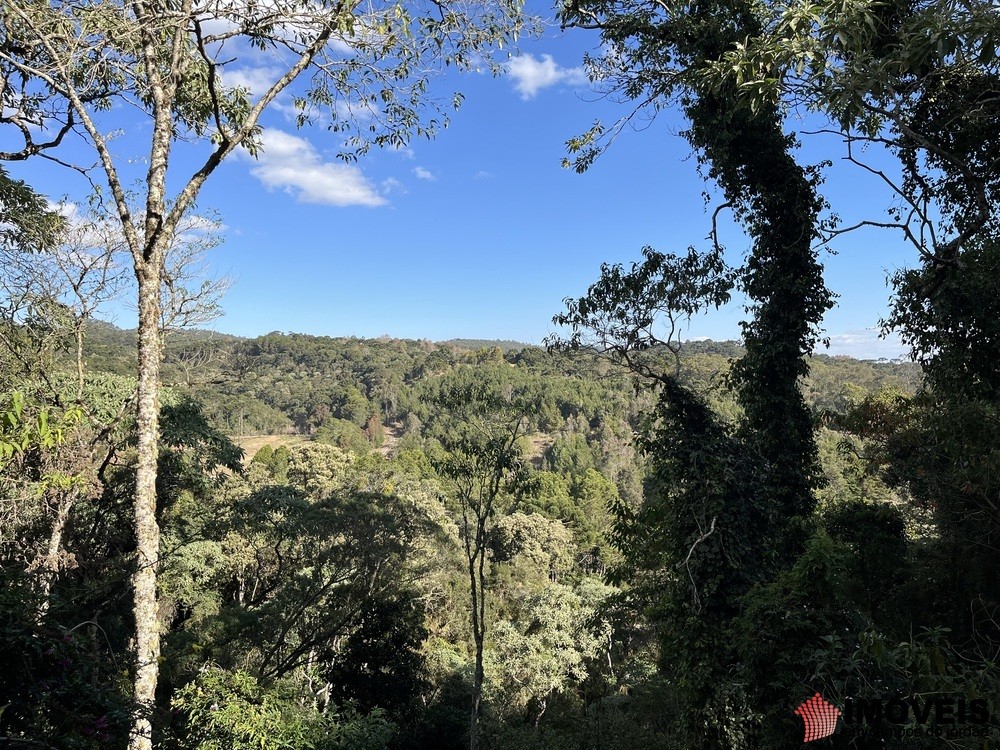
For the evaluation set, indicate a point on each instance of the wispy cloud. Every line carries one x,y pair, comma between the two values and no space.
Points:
67,209
293,164
392,185
531,74
229,18
256,80
865,344
482,174
424,174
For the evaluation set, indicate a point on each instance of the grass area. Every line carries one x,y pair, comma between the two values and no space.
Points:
253,443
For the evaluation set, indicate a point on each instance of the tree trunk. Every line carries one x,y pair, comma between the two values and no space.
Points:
50,564
147,530
477,696
477,637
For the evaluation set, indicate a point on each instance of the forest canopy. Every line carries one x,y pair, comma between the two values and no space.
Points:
621,539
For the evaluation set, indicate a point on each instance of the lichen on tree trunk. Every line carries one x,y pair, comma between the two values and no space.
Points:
147,529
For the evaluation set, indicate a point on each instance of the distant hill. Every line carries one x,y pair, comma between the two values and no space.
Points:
505,345
727,349
109,348
108,334
287,382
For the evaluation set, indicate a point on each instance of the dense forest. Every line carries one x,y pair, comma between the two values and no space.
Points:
617,540
317,590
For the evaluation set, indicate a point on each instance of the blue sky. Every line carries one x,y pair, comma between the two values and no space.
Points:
481,233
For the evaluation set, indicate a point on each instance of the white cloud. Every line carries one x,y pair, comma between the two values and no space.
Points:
482,174
298,23
198,224
531,75
424,174
67,209
255,80
865,344
293,164
258,80
392,185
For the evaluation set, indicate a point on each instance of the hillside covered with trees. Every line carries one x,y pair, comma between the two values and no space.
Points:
619,540
332,562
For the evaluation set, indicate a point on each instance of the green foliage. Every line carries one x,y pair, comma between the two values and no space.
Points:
320,577
223,710
318,469
620,309
277,579
949,316
380,665
583,507
548,493
274,382
274,461
184,425
595,496
690,552
58,686
570,454
914,78
353,407
20,431
848,475
921,662
536,545
27,223
938,449
875,534
344,435
302,577
777,634
241,414
724,509
264,456
940,452
541,652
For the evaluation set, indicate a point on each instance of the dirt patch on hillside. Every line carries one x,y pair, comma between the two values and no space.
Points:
253,443
391,433
540,443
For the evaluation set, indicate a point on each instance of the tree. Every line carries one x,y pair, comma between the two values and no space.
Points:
27,226
482,466
723,508
293,585
917,79
938,447
234,710
49,296
27,222
64,65
543,651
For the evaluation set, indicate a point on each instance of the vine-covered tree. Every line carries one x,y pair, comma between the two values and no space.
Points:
726,508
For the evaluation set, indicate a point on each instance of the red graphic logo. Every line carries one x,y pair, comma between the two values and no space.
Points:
819,716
